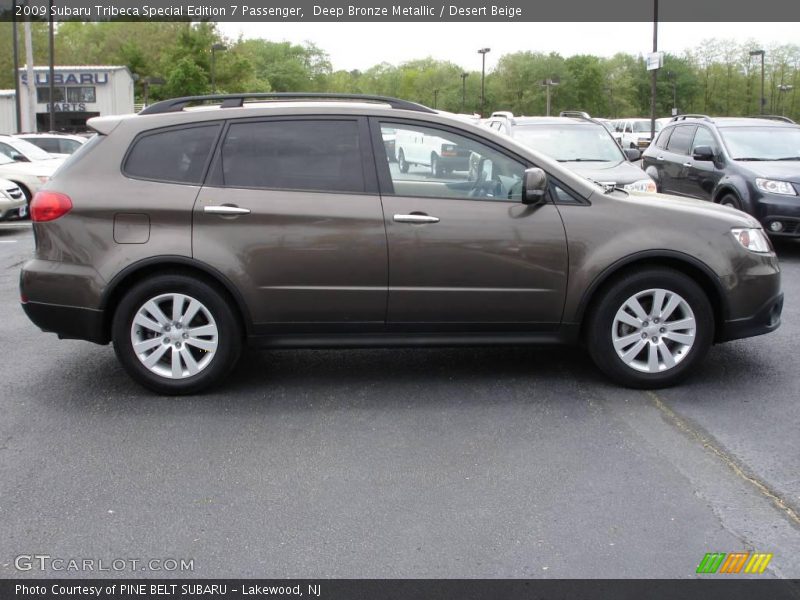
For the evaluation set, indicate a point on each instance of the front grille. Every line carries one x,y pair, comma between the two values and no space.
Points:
14,192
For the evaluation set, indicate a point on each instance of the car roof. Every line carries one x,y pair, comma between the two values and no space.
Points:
734,121
551,121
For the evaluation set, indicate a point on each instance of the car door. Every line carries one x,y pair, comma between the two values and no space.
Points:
677,161
702,175
290,213
467,255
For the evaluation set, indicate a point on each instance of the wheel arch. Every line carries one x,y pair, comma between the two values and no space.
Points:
138,271
690,266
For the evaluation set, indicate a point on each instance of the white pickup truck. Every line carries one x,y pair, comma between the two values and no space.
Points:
441,155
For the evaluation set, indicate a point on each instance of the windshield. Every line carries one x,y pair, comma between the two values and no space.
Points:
762,143
643,126
567,143
4,160
30,151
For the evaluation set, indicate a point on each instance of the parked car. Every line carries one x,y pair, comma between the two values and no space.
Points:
581,144
634,133
57,144
200,248
752,164
12,201
22,151
29,176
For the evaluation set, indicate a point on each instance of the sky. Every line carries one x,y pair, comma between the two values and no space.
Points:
362,45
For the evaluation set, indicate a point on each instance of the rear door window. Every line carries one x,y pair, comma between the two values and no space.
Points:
177,155
681,139
315,155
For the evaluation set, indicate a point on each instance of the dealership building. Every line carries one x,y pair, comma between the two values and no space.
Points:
80,93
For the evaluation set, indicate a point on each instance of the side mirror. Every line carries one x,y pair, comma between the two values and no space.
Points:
18,157
633,154
703,153
534,186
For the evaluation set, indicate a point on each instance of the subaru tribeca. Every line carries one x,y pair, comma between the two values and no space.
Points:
184,232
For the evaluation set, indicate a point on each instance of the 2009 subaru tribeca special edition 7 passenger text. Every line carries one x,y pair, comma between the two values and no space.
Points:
182,232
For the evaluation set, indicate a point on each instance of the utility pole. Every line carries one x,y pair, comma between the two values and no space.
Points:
435,97
31,87
15,36
654,74
51,78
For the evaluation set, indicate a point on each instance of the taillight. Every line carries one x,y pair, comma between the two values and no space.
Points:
48,206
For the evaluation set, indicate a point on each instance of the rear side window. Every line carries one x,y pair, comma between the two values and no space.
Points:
173,155
663,138
314,155
681,139
46,144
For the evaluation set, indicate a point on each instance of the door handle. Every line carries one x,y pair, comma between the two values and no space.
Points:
659,158
687,164
418,219
225,209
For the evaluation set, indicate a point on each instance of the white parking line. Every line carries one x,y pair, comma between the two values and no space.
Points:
8,241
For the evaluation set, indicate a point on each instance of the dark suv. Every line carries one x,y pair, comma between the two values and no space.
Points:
185,231
752,164
580,143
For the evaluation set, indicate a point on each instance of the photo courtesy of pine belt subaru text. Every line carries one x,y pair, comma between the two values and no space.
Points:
204,224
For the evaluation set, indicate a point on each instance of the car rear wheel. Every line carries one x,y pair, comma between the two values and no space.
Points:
650,328
401,162
175,334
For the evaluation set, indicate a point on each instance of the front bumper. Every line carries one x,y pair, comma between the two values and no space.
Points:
764,320
771,208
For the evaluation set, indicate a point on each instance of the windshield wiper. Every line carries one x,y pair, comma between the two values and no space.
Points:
787,158
582,160
751,158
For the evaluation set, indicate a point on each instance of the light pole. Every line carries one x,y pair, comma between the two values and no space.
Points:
763,99
782,89
435,97
548,83
654,74
483,52
674,79
463,91
51,76
218,47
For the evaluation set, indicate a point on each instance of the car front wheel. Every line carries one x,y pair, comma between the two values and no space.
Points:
175,334
650,328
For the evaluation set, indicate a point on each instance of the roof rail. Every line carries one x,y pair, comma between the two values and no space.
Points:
237,100
576,114
774,118
502,114
690,116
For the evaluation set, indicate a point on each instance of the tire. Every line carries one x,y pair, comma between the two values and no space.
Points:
28,197
730,200
678,340
401,162
211,353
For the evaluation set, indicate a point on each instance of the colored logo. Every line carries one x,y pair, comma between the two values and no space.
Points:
735,562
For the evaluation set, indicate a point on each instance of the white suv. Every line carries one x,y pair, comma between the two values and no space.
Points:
634,133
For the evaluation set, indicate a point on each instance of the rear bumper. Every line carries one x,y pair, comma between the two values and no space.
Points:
68,322
764,320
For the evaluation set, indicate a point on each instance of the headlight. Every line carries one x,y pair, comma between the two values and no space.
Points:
643,185
775,187
752,239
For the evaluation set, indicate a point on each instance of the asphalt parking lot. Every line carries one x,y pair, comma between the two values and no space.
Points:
476,462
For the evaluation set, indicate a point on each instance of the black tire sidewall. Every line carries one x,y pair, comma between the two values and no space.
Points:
599,339
229,333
